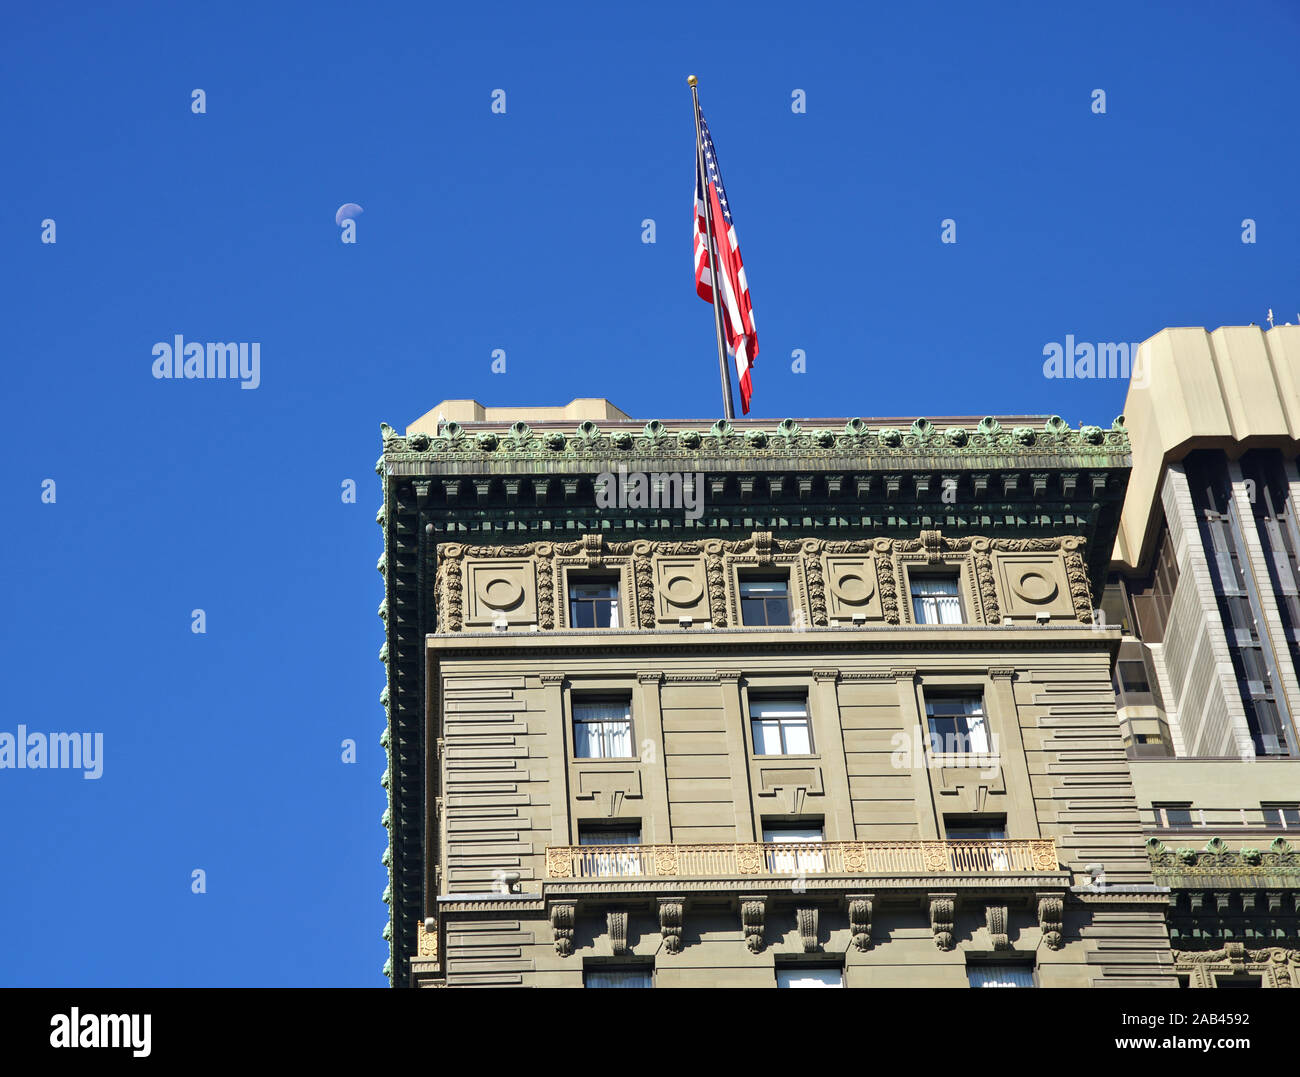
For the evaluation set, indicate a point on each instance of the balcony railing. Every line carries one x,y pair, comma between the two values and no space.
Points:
802,858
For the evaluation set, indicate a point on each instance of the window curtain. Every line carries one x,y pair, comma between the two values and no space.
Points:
602,731
1000,976
936,602
618,978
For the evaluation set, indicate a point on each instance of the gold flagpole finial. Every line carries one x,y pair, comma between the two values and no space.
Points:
691,80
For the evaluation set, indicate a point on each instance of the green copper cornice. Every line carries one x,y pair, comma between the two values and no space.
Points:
985,444
1216,864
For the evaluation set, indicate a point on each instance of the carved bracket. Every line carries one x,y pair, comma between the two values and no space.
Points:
995,917
860,909
616,925
941,919
1051,916
753,917
807,920
562,916
671,914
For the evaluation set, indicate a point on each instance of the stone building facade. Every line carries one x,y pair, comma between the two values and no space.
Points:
817,703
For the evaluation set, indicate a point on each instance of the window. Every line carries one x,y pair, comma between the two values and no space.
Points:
936,599
593,602
619,976
1173,815
765,600
809,976
1253,658
602,729
1286,816
602,860
1133,678
1000,975
792,854
957,724
780,726
1237,980
985,853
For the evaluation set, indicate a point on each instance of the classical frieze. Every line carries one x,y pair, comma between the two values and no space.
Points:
831,582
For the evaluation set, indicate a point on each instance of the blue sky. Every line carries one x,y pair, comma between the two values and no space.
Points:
519,231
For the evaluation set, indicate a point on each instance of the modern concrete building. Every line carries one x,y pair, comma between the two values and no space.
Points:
1206,588
816,703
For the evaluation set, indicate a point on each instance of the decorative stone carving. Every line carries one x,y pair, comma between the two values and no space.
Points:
671,912
559,862
860,909
806,917
749,859
717,583
680,589
1276,966
753,916
851,588
942,908
930,543
500,590
426,942
1051,916
643,572
812,567
832,580
995,918
563,914
616,925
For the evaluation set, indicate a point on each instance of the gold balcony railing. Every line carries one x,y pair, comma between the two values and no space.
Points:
802,858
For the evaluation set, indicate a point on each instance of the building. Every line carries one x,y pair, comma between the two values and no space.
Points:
815,703
1206,588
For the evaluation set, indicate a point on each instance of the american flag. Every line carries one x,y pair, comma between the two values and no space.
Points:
737,314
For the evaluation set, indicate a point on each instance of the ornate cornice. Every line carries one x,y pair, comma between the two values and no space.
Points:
988,444
1280,861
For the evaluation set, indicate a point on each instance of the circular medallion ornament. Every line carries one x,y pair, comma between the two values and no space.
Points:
682,590
1035,587
852,589
502,593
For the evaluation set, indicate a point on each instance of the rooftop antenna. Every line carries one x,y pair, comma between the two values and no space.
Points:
1270,317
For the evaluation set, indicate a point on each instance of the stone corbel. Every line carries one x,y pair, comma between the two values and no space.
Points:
941,919
616,925
753,919
995,917
807,918
1051,916
671,914
860,909
563,914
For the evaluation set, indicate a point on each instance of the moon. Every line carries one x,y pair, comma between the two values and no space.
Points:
347,212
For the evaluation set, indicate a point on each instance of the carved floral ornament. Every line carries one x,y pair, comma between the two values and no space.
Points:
830,580
789,438
1277,966
1280,858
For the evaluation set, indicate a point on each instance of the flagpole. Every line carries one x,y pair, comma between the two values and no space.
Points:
729,407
